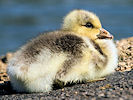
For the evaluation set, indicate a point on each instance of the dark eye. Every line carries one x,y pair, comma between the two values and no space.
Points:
88,25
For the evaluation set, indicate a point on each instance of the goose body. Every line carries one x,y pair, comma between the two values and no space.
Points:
80,51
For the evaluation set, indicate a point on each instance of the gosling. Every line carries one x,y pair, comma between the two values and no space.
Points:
80,51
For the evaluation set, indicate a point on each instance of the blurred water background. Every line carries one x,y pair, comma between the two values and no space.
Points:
20,20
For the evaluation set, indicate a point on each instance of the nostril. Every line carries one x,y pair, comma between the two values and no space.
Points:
103,31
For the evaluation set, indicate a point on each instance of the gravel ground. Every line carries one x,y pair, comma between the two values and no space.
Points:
118,86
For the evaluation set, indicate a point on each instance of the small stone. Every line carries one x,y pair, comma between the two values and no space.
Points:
62,89
42,98
101,95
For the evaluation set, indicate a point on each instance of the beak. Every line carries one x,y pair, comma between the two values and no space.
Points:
104,34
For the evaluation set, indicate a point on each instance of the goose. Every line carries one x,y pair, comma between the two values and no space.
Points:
80,51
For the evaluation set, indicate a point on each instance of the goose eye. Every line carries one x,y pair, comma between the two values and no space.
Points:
88,25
